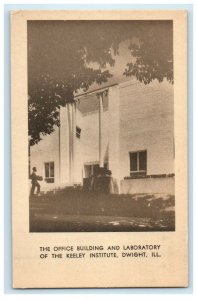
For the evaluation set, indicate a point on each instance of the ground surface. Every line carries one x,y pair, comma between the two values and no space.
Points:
79,211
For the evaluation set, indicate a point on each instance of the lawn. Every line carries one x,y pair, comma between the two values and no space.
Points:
158,209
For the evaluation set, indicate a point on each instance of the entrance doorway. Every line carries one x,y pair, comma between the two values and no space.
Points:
91,169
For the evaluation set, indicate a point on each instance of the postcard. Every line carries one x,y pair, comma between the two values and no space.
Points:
99,149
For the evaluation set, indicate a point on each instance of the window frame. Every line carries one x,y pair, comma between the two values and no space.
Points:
138,171
49,179
92,165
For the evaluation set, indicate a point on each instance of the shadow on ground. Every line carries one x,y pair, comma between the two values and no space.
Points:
82,211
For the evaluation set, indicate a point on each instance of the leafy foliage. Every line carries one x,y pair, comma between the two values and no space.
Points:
66,56
153,55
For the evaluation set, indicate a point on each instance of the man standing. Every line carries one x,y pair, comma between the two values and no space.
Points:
34,182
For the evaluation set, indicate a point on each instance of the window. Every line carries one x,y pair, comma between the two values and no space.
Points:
138,162
78,132
93,169
49,172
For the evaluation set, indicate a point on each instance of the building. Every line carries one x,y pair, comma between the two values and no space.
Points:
126,127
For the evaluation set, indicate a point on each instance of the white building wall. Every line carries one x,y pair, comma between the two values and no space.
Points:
79,149
66,122
146,123
114,132
64,145
148,185
136,117
47,150
90,137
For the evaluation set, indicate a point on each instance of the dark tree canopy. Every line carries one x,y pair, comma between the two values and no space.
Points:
65,56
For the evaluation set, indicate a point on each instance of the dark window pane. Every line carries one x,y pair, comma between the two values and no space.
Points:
87,171
95,170
106,166
78,132
133,161
142,161
52,169
46,170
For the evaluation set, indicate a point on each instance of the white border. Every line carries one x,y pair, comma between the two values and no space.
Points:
2,151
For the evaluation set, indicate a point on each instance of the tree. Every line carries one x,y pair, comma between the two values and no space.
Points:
66,56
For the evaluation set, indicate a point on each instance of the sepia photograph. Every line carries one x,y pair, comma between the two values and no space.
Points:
99,148
101,125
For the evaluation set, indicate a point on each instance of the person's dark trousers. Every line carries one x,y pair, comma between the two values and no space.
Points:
34,185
